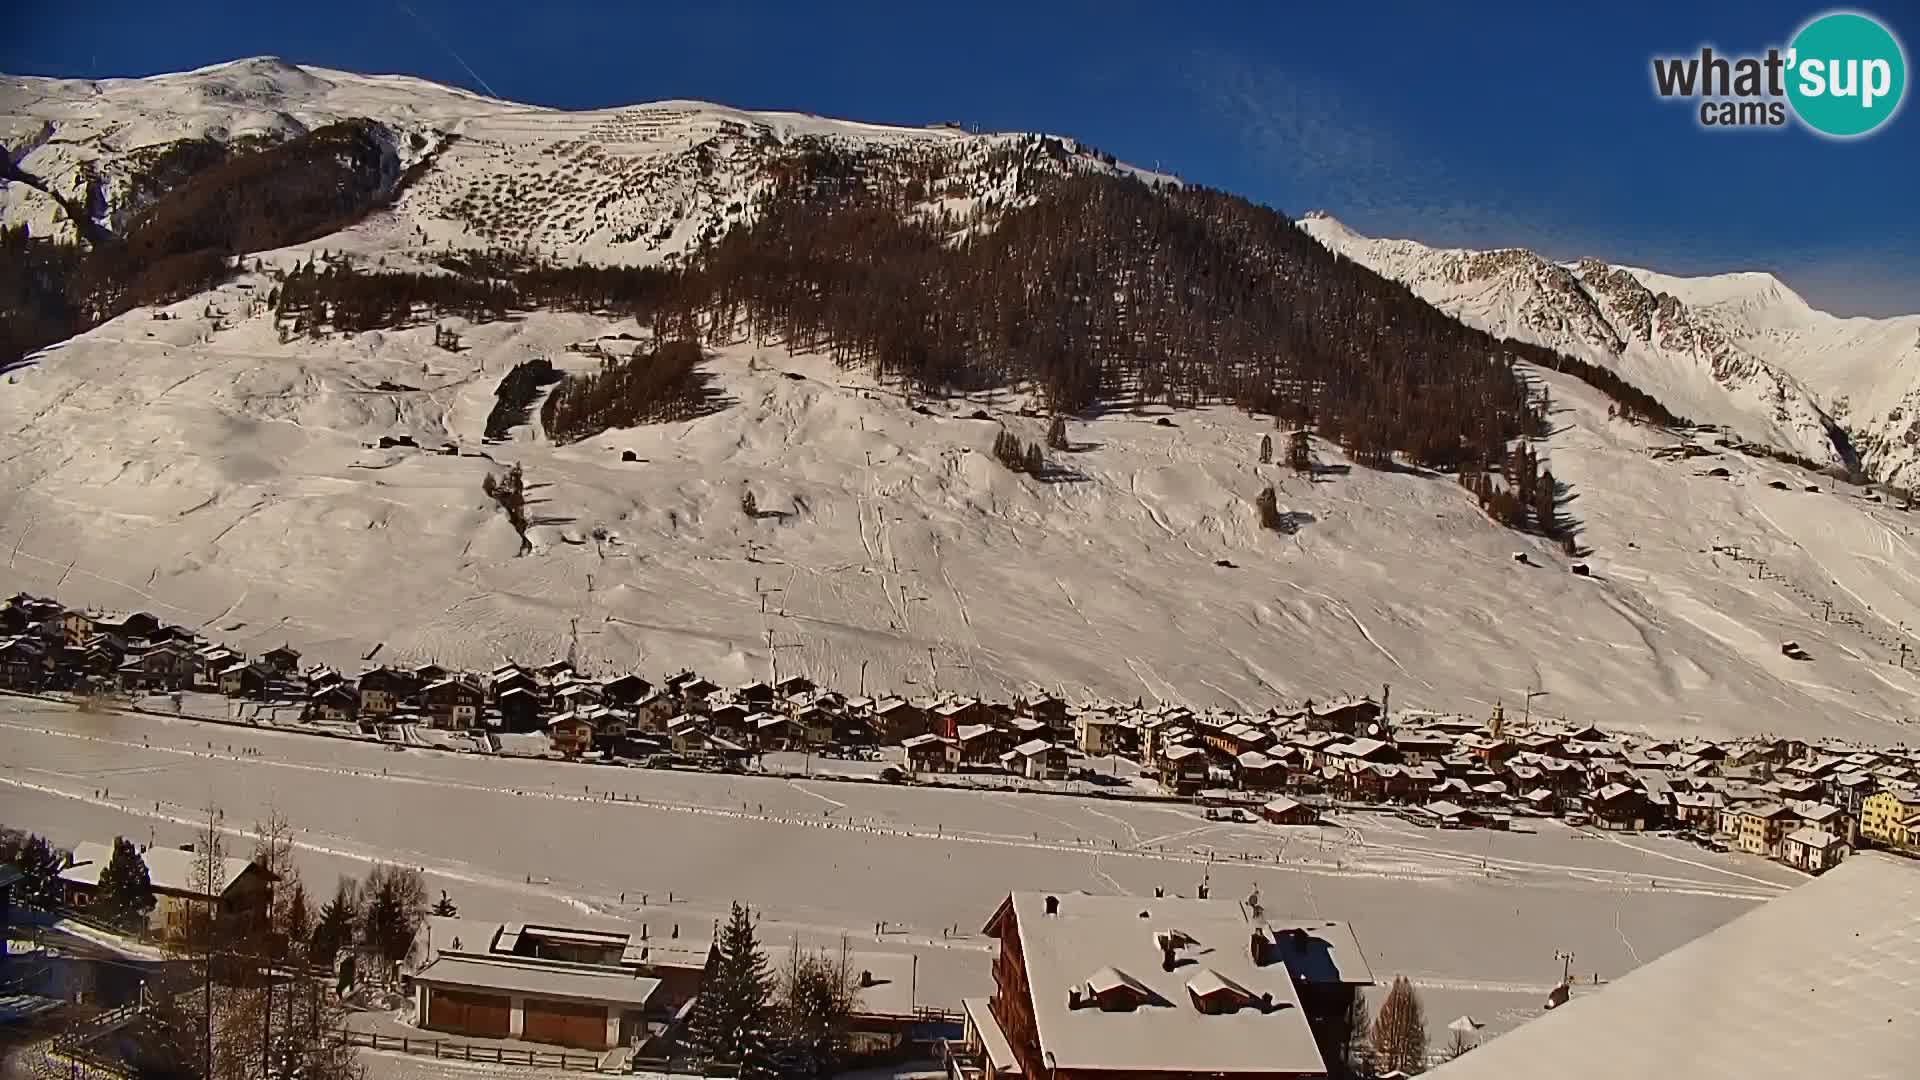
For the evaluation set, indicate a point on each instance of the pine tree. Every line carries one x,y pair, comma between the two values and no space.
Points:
1400,1030
333,930
444,907
1355,1054
1266,449
126,893
1057,434
732,1019
1299,452
1035,464
40,865
394,900
1267,503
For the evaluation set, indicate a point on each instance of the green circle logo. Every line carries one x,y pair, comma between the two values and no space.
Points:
1847,74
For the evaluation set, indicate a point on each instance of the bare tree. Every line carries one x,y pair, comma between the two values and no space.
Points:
817,994
1458,1045
1400,1030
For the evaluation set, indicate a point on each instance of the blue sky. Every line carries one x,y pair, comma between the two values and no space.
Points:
1477,124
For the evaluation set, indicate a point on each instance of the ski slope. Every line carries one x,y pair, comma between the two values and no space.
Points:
197,467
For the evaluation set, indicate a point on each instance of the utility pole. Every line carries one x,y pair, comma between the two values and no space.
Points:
1565,956
1826,614
933,671
1527,716
863,675
773,654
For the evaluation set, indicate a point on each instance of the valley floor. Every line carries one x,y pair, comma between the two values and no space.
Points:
1474,917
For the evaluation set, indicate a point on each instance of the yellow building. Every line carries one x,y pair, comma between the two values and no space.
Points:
1885,816
1761,828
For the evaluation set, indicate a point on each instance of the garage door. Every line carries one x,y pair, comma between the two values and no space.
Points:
567,1024
469,1014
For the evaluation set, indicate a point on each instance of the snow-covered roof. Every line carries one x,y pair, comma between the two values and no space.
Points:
1103,944
545,978
169,869
1816,982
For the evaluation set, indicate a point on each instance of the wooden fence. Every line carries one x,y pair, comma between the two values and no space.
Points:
454,1050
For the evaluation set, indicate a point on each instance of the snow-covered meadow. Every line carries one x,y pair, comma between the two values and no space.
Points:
1475,917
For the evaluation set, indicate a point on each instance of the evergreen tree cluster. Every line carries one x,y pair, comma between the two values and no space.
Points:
1522,495
1300,452
665,385
792,1023
509,490
1057,435
1267,505
1021,457
513,398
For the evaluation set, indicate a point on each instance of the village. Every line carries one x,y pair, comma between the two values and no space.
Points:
1805,804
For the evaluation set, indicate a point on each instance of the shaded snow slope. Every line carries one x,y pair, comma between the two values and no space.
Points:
222,479
1740,350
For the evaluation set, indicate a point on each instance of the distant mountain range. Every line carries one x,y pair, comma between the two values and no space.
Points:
1741,351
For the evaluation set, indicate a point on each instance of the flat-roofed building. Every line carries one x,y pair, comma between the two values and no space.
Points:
588,1006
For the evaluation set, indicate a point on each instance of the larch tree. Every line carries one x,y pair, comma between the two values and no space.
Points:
1400,1030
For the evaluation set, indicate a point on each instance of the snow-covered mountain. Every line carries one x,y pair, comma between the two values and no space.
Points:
196,460
630,185
1741,351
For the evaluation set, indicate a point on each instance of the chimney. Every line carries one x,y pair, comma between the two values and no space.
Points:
1053,905
1073,998
1167,954
1266,1002
1259,948
676,931
866,978
643,931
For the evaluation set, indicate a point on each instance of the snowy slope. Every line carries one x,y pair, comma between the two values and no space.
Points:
1738,350
223,479
625,185
198,467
